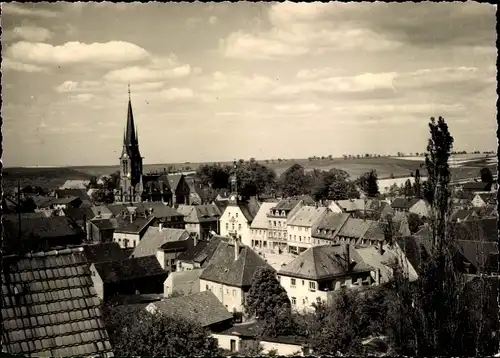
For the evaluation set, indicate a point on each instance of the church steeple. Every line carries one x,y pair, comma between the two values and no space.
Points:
130,134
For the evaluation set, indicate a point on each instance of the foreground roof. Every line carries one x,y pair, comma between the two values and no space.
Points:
323,262
203,308
224,268
50,307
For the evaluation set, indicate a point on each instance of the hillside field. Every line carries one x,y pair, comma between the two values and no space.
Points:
385,167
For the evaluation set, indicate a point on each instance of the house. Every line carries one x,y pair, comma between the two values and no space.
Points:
199,255
235,338
474,187
200,220
139,275
382,258
101,230
182,282
129,233
66,202
414,205
277,218
463,214
229,274
50,307
75,184
259,229
237,219
301,225
39,234
42,203
157,242
179,188
351,205
80,216
102,252
483,199
202,308
333,206
326,231
101,212
320,270
164,214
79,193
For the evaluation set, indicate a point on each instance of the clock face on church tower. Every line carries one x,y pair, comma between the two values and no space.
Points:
232,198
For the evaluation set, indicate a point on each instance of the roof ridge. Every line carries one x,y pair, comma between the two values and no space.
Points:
244,260
47,253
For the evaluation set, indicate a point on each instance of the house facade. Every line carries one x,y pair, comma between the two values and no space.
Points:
201,220
300,227
129,234
259,229
277,222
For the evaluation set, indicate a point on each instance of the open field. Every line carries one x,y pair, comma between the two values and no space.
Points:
385,167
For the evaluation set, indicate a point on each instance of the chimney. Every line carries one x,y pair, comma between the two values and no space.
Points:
381,247
236,249
131,218
195,240
377,277
160,227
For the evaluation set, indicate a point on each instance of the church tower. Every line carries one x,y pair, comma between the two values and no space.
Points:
233,181
130,160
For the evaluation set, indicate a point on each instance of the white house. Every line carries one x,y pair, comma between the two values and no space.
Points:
482,199
260,227
319,271
237,219
128,234
301,225
183,283
229,274
277,222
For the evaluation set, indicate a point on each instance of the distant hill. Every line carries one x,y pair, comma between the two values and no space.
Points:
44,177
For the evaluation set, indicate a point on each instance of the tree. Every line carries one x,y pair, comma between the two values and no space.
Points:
417,189
408,189
368,182
331,185
93,183
27,205
215,176
112,182
254,179
487,177
294,181
393,190
414,222
266,296
103,196
144,334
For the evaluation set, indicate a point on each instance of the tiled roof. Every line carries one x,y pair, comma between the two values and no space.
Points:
488,198
25,216
80,193
203,308
79,214
136,227
462,214
42,201
199,213
75,184
353,204
117,209
101,210
286,204
105,224
260,220
65,201
305,198
50,307
330,225
109,251
249,209
129,269
323,262
376,231
201,253
222,205
160,210
154,239
372,257
414,248
189,213
307,216
355,228
223,268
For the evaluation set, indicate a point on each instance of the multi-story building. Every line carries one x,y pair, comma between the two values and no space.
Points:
259,229
300,227
201,219
277,222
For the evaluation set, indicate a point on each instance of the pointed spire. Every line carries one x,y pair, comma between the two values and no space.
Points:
131,137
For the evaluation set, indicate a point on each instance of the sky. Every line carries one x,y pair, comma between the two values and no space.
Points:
219,81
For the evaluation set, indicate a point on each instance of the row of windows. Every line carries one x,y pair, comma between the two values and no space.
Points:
126,242
232,226
305,300
212,289
274,223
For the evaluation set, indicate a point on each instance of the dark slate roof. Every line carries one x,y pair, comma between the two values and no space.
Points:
355,228
403,203
79,214
223,268
203,308
50,227
286,204
109,251
154,239
66,200
324,262
137,226
249,209
117,209
221,205
105,224
476,186
463,214
376,231
129,269
41,201
174,180
201,253
57,310
80,193
306,198
488,198
330,225
159,209
25,216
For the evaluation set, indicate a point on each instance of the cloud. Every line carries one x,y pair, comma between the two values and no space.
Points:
178,93
28,33
82,97
76,53
303,108
9,64
16,9
138,74
236,85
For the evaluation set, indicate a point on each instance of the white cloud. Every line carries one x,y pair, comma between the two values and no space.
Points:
9,64
178,93
138,74
82,97
76,52
28,33
235,85
26,10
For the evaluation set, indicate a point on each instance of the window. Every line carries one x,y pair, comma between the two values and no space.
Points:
227,291
279,279
312,286
303,282
292,282
207,288
294,301
275,223
236,214
233,345
239,226
232,226
300,238
227,226
234,293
